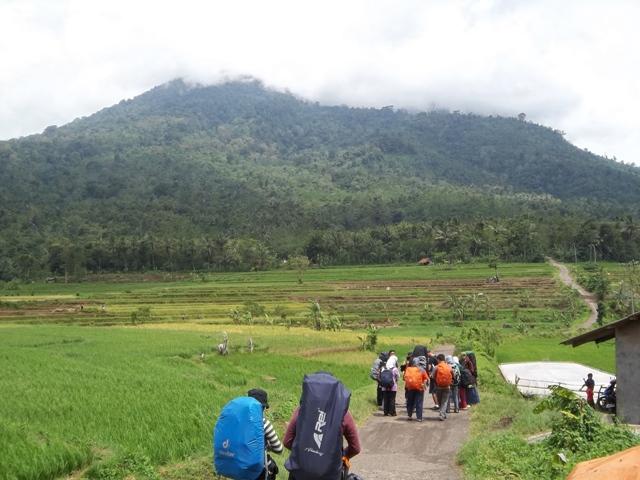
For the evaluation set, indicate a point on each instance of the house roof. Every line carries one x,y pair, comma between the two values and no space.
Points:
603,333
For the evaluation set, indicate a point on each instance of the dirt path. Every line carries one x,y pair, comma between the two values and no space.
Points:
394,448
588,297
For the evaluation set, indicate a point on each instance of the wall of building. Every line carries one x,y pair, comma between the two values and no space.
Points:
628,372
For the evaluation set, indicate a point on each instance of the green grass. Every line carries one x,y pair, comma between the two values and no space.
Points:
75,395
87,390
501,423
396,293
530,349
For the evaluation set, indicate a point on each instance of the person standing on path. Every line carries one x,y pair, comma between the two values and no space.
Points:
389,390
431,365
443,377
378,363
455,372
415,380
471,389
590,384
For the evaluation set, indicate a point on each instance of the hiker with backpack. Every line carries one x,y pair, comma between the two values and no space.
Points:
408,361
420,351
415,380
243,436
430,366
443,378
468,359
466,379
316,430
374,374
455,384
389,376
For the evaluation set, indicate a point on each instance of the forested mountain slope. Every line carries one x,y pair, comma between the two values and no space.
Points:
240,161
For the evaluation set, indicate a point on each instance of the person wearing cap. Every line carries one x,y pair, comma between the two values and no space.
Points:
271,440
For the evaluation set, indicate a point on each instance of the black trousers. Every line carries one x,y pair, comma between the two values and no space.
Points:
389,402
271,471
379,396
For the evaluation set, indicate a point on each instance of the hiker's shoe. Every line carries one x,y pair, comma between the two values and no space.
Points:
420,420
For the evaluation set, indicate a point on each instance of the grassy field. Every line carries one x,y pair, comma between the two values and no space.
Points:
540,349
622,296
87,390
79,394
357,294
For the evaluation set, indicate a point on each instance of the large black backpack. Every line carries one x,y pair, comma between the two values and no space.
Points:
419,351
316,453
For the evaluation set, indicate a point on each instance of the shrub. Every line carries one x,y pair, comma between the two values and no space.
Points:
370,340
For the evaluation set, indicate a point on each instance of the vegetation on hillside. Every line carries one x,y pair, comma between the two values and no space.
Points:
235,177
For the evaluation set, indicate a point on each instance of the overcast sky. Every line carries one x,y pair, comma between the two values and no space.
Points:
571,65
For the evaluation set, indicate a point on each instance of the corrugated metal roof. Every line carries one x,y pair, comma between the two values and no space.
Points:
603,333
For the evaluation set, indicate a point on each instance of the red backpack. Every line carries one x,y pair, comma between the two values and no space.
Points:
444,375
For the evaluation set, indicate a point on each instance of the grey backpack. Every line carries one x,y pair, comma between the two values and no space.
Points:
316,453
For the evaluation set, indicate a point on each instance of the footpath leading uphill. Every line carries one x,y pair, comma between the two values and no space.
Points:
394,448
588,297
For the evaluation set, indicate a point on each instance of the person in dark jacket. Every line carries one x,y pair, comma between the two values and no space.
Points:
471,387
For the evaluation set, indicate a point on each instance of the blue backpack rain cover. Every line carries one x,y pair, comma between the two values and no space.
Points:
238,440
316,453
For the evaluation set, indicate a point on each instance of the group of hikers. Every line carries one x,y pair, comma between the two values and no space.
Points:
319,426
451,381
243,435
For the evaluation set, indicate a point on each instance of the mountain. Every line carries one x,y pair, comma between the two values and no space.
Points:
238,160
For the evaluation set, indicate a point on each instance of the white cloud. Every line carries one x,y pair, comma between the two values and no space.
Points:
572,65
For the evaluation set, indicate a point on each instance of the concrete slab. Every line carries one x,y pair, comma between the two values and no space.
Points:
534,378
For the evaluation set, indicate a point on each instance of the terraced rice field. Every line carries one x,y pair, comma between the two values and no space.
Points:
86,391
389,294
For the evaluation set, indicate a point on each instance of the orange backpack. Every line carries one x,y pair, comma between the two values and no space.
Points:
444,375
413,378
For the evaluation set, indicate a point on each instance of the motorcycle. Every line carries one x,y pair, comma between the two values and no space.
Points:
607,398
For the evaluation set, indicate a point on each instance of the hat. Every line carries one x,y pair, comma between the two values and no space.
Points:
448,359
456,360
259,395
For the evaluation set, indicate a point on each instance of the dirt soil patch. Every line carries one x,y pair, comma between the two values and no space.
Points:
588,297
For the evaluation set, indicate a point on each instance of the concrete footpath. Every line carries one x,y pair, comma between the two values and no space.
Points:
394,448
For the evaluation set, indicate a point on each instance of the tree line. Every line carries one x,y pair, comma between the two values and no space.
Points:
522,239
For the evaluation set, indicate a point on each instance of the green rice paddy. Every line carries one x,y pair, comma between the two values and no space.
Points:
85,390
